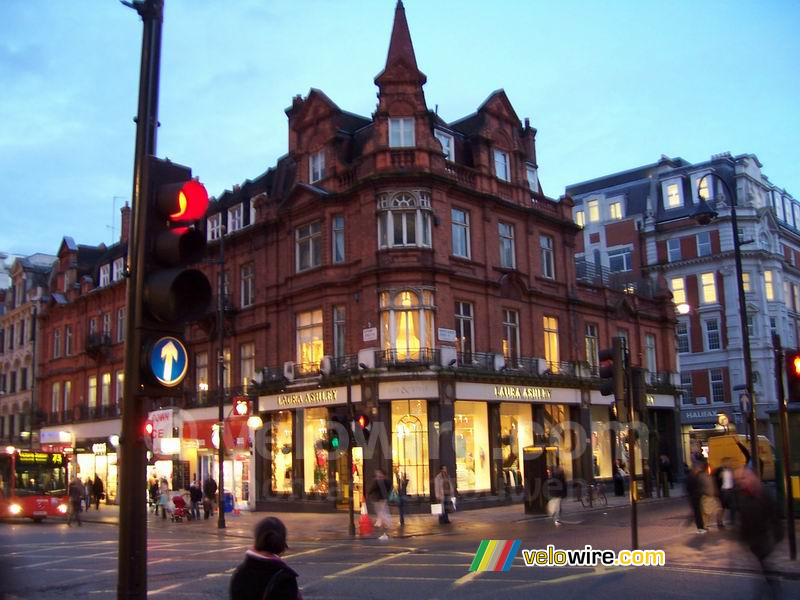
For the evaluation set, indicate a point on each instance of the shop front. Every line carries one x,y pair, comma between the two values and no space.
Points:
698,424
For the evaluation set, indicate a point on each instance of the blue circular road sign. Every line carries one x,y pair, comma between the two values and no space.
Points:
169,361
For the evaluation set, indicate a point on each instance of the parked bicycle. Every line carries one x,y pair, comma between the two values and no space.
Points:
594,495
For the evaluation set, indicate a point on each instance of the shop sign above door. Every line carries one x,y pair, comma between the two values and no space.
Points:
308,398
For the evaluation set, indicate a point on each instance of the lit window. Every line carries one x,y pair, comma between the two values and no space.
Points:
708,284
551,354
702,188
650,352
548,261
580,219
308,246
316,166
704,244
247,363
309,341
465,329
201,374
460,232
406,323
594,211
511,337
105,389
620,260
401,132
105,275
213,227
591,342
404,220
501,165
446,140
55,398
119,389
339,331
712,334
673,196
337,238
507,255
717,385
533,178
746,282
235,218
769,289
682,337
673,250
678,287
615,211
92,394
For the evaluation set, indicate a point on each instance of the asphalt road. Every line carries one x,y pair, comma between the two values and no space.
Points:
194,560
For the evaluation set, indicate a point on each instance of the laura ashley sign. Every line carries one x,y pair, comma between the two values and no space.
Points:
516,393
308,398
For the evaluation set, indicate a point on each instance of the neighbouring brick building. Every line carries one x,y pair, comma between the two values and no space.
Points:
638,223
421,265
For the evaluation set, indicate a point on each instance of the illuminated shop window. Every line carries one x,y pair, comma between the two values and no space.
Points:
410,445
281,451
407,322
471,428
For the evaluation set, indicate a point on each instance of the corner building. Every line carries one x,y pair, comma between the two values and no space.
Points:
420,262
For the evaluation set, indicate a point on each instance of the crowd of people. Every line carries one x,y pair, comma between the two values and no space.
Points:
166,503
82,494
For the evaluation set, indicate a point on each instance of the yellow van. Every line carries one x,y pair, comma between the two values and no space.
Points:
737,449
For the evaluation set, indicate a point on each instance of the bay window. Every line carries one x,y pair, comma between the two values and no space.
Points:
404,220
407,322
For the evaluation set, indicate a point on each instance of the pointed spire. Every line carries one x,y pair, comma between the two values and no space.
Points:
401,63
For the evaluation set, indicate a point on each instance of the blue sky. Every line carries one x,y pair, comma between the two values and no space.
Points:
609,86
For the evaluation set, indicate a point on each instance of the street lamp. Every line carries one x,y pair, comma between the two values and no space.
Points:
703,215
221,377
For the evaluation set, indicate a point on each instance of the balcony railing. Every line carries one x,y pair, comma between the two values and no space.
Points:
424,357
97,343
623,281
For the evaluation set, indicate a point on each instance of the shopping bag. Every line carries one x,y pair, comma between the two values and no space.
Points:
436,509
453,500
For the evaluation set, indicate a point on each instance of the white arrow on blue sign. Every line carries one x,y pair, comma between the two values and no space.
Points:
169,361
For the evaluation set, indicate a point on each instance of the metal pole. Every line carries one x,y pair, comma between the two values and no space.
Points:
132,562
221,377
32,411
784,421
632,445
350,443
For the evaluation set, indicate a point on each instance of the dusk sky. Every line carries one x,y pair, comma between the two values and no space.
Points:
609,85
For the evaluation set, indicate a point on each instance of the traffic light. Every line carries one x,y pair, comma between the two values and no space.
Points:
612,370
361,428
173,294
149,432
793,377
241,406
332,441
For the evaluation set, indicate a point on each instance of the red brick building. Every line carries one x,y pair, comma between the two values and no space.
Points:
421,264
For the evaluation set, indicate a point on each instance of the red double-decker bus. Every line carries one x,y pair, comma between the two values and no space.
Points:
33,484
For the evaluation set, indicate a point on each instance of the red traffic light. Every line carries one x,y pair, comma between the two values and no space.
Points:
183,202
363,421
148,428
796,364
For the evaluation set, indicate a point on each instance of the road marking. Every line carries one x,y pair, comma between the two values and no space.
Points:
81,557
363,566
467,578
312,551
167,588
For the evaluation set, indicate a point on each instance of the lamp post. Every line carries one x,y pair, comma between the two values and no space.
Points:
221,378
704,214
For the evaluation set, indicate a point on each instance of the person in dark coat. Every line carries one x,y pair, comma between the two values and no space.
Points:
76,494
210,493
619,478
196,498
556,491
402,494
263,575
97,491
694,490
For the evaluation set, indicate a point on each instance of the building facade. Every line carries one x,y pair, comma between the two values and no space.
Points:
22,299
413,268
639,223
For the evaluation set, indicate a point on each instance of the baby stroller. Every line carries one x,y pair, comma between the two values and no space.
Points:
179,512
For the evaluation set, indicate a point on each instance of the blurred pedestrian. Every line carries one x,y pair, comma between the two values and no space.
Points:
87,493
443,490
694,490
76,494
163,497
556,489
378,494
263,575
724,480
195,497
209,493
619,478
759,526
97,491
709,502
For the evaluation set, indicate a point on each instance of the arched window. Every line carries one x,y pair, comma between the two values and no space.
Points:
407,323
404,220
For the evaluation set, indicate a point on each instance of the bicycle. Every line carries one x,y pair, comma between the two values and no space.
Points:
595,494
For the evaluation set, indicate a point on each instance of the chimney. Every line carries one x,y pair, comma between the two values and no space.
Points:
125,224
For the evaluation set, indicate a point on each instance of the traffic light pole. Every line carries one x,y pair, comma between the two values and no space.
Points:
784,422
350,443
132,561
632,447
221,379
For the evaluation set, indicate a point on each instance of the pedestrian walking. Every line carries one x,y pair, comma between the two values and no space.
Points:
263,575
163,497
196,498
402,495
619,478
694,490
209,493
725,482
760,527
76,494
443,490
154,493
709,503
556,489
97,491
87,493
378,494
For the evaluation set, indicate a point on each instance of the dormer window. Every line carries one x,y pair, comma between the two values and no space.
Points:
213,227
673,195
533,178
404,220
401,132
501,169
235,221
105,275
118,269
316,166
446,140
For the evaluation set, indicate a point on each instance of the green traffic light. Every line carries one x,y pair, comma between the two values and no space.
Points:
335,443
